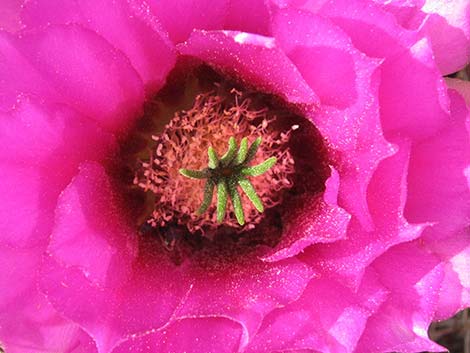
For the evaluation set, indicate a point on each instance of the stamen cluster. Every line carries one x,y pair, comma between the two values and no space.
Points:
228,171
215,118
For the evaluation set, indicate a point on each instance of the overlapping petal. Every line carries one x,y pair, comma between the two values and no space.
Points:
99,83
254,59
363,266
126,26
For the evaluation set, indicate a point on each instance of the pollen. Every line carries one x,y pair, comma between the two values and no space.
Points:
217,116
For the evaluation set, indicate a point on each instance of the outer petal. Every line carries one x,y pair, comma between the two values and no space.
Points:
438,189
28,323
448,238
454,252
10,15
99,82
349,115
252,58
407,271
17,75
40,148
181,17
412,93
242,288
328,317
347,259
312,221
461,86
188,336
118,297
251,16
448,27
124,25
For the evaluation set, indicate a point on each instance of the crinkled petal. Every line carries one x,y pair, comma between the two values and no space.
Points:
181,17
347,259
349,115
242,288
236,15
252,58
461,86
99,82
372,30
40,149
408,271
28,323
93,274
448,27
328,317
17,75
10,15
406,12
312,221
26,207
412,94
192,335
454,252
251,16
95,238
438,189
52,136
124,25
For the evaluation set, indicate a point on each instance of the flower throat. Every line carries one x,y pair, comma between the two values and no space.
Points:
225,147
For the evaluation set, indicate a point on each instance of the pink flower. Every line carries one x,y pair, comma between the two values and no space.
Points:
374,241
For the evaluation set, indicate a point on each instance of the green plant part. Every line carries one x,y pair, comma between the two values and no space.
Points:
227,173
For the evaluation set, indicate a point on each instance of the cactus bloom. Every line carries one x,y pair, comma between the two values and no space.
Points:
232,176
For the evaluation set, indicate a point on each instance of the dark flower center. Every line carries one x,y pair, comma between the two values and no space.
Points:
217,162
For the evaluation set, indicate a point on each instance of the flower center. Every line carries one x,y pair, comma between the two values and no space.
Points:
184,169
216,169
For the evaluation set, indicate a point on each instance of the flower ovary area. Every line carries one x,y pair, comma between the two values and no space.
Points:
230,145
228,172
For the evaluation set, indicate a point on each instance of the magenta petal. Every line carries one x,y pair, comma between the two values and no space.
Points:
371,29
34,326
17,75
99,82
92,238
181,17
413,96
322,53
254,59
312,221
412,93
438,189
26,207
454,252
10,15
306,37
244,289
40,149
448,27
28,323
347,259
328,317
121,24
92,275
250,16
51,136
461,86
190,335
407,271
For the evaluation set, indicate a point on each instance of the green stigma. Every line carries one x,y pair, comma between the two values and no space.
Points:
227,173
